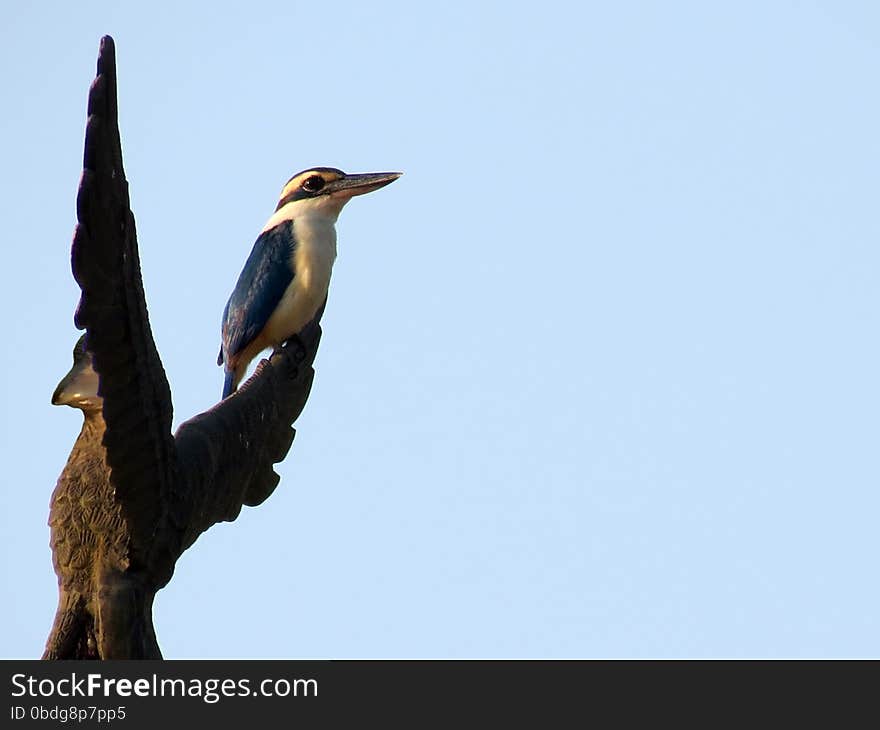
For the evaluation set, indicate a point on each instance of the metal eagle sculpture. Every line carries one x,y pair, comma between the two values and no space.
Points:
132,496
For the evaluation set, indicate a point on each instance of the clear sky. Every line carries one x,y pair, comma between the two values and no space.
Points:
599,375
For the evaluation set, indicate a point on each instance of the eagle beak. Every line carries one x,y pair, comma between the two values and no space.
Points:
79,387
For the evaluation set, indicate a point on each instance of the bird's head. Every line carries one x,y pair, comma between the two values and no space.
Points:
324,190
79,388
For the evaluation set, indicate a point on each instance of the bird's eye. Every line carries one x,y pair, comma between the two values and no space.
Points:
313,184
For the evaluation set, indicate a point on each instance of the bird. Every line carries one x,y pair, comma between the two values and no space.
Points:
284,282
133,496
91,541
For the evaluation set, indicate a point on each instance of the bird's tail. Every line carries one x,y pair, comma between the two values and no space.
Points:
229,383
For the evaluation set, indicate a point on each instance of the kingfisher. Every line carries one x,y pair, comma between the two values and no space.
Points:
285,279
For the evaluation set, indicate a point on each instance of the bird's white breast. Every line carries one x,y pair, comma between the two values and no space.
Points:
312,262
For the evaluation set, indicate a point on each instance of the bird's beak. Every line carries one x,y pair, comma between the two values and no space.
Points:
351,185
79,387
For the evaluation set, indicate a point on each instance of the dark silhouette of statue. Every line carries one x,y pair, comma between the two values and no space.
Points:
133,497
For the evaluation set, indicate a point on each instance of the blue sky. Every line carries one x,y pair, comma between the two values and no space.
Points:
599,373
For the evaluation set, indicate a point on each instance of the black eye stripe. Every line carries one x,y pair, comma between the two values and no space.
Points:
313,184
311,187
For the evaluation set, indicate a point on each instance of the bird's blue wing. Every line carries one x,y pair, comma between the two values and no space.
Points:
263,281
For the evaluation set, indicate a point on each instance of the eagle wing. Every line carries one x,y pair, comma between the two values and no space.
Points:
227,454
112,310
